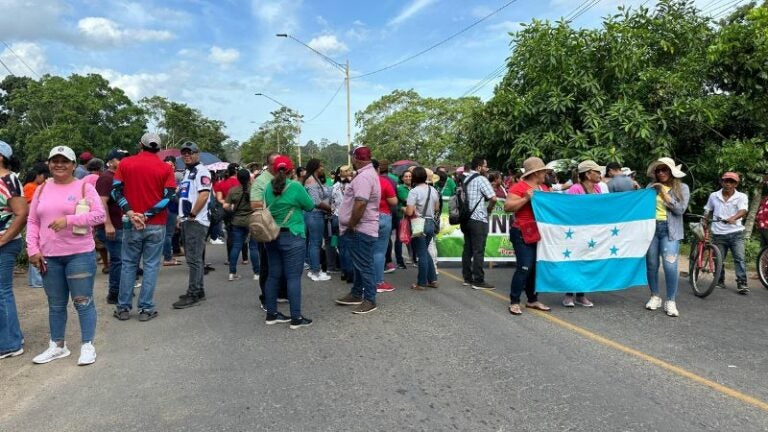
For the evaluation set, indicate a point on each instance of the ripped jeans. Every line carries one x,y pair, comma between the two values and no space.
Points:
71,275
666,250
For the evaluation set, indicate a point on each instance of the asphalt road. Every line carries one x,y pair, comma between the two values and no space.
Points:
445,359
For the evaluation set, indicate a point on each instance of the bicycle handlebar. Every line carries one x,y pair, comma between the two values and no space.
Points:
698,216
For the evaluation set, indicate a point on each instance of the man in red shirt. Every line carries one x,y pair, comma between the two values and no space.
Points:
143,186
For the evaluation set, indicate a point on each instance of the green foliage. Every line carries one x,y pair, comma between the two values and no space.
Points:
404,125
82,112
278,134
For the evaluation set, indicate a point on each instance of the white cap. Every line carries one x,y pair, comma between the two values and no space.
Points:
63,151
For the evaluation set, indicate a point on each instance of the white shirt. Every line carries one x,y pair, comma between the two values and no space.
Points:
723,209
196,180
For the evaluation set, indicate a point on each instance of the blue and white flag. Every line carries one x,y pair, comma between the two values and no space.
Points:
594,242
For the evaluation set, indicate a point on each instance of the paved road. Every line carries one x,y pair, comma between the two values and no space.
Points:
445,359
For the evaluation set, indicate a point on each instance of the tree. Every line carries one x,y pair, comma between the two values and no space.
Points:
82,112
403,125
333,154
277,134
177,123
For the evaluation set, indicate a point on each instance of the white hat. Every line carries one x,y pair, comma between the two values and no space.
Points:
676,169
63,151
627,171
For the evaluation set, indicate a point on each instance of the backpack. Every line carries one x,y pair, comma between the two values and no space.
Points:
459,212
215,210
262,225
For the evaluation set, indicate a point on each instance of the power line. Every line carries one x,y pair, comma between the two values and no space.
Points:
487,79
327,104
725,9
6,67
430,48
20,59
581,12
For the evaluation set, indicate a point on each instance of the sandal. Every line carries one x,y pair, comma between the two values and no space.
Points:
433,284
514,309
418,287
539,306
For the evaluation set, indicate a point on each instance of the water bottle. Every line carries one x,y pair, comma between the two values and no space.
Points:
81,208
126,222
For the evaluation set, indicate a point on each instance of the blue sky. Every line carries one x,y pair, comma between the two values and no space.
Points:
214,55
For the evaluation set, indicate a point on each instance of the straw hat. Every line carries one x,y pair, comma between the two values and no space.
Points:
669,162
532,165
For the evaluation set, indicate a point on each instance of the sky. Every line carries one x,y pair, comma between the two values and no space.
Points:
214,55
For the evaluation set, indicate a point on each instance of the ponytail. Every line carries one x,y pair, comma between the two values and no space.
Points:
278,183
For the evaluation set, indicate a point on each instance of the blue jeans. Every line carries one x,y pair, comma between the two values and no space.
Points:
345,259
115,249
398,246
361,249
34,278
170,229
315,225
734,242
525,268
71,276
380,247
285,256
10,330
420,245
667,250
138,244
239,234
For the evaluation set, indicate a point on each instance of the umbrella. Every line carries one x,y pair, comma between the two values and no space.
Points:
217,166
402,166
205,157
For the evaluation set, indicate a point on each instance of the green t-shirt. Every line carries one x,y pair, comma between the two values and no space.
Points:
260,184
450,187
294,197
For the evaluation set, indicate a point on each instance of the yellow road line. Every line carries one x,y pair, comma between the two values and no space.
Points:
633,352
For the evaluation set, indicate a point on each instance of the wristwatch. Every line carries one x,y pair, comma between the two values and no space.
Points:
192,215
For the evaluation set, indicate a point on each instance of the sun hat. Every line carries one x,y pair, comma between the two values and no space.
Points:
282,162
430,176
590,165
627,171
345,171
730,175
63,151
532,165
670,163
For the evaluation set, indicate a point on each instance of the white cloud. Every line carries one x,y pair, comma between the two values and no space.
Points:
411,10
21,57
101,31
223,56
274,11
32,19
135,86
328,45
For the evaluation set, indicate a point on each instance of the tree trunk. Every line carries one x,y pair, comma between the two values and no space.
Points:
754,206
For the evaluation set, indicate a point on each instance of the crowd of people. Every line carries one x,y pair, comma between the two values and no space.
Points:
136,213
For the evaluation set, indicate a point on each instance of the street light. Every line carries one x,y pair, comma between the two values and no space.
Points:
343,67
298,138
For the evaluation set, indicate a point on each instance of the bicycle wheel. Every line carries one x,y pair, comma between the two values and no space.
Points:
762,266
704,279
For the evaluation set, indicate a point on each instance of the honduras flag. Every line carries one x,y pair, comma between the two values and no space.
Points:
594,242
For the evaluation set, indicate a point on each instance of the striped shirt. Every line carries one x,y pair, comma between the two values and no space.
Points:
478,192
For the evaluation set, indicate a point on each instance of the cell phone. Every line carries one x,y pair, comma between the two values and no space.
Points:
43,267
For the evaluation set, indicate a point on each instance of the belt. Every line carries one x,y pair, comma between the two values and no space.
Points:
285,230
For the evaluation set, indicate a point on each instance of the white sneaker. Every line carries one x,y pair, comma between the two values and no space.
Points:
654,303
255,277
233,277
54,352
323,276
671,308
10,354
319,276
217,242
87,354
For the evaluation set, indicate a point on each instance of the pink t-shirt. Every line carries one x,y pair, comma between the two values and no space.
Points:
91,179
364,187
578,189
54,201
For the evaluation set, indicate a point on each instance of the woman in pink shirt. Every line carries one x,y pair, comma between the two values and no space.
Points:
60,244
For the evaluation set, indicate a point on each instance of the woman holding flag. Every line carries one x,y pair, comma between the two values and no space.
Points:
523,234
672,197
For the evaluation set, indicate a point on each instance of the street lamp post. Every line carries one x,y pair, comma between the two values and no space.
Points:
298,137
343,67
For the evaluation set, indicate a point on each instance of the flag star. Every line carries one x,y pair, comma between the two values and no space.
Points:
569,234
592,243
614,250
567,254
615,232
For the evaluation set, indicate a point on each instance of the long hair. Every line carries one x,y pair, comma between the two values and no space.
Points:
675,188
244,177
312,166
278,183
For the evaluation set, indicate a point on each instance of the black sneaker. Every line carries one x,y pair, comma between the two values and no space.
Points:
111,298
200,297
402,266
187,301
482,286
276,318
121,314
349,300
365,307
146,315
742,289
467,282
301,322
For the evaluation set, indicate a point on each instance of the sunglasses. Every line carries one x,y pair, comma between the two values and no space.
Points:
187,152
662,170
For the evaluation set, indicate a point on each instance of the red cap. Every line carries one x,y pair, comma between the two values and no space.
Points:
732,176
86,156
282,162
362,153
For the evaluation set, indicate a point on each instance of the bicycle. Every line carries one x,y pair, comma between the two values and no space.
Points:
705,262
762,266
